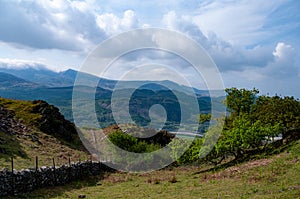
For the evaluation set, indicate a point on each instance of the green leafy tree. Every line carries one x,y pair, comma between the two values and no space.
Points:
274,110
243,137
246,135
240,101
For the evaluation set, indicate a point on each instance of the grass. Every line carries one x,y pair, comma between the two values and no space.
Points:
22,110
11,146
277,176
24,150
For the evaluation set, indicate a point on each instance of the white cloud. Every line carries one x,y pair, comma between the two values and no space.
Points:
283,51
129,20
59,24
284,65
185,25
67,25
52,27
113,24
20,64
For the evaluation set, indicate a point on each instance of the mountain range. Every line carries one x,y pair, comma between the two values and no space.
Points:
57,88
48,78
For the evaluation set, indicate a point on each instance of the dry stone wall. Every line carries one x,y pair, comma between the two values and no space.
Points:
26,180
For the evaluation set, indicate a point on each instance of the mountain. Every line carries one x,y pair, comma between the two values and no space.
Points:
11,81
49,78
41,76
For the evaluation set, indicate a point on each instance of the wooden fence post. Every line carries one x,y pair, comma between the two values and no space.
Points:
36,171
80,173
54,173
12,176
36,163
69,170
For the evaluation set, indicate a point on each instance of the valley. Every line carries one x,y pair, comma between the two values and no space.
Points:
57,89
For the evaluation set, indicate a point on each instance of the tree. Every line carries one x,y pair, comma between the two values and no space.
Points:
247,135
240,101
243,137
274,110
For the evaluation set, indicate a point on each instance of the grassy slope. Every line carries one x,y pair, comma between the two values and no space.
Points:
47,148
277,176
22,110
25,146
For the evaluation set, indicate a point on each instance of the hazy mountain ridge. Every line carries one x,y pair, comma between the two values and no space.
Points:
8,81
57,88
49,78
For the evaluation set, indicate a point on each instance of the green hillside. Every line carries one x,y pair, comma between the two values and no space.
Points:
35,128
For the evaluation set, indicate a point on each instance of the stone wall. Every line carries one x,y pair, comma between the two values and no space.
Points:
26,180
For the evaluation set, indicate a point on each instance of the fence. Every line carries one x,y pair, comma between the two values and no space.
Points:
14,182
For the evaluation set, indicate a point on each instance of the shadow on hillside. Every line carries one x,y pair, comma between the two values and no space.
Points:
10,147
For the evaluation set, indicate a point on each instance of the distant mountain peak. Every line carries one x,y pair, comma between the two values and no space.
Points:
68,71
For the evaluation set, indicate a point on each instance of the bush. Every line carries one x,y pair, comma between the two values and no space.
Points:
131,144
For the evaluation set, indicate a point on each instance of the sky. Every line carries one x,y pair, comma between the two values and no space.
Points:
253,43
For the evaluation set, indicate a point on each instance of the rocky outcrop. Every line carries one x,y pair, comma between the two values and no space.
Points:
8,124
53,122
10,128
23,118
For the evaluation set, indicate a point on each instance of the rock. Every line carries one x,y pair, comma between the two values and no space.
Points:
9,124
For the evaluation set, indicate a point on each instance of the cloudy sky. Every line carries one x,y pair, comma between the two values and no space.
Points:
253,43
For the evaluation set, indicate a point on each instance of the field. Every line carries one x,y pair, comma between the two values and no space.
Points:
276,176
